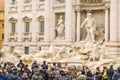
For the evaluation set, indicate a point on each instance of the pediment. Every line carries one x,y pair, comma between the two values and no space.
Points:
26,18
12,19
41,18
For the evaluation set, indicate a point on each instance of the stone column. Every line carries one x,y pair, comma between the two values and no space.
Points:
106,25
19,23
47,21
34,22
68,20
114,20
114,44
119,22
78,25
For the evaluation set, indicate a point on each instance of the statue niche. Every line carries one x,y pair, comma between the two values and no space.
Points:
60,28
90,26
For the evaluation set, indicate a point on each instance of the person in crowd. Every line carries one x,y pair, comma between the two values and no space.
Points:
89,75
37,76
7,75
105,75
15,75
25,76
110,72
1,75
44,65
98,69
27,70
98,76
116,75
82,76
20,64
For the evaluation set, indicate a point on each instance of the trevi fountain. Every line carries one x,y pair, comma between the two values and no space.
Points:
95,48
89,51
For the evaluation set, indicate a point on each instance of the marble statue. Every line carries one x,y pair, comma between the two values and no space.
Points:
90,26
60,28
104,52
95,53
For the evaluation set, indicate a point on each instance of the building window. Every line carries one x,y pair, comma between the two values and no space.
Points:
12,24
13,27
27,1
2,36
60,1
27,21
41,0
27,25
2,25
13,0
26,50
39,48
41,26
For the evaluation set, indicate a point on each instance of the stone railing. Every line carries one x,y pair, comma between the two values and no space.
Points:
59,1
27,36
90,1
40,36
12,37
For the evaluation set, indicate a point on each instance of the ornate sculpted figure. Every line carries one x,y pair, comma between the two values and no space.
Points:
60,27
90,26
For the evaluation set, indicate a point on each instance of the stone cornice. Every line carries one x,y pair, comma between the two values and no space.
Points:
59,6
98,6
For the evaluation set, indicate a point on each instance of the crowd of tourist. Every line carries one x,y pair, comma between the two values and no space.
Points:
46,71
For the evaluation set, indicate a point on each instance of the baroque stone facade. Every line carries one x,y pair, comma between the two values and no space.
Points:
30,25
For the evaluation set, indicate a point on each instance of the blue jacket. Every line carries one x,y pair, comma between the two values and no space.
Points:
1,76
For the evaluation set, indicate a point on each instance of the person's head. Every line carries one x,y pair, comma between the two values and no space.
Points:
104,68
111,66
97,68
89,15
26,66
44,62
25,75
1,71
54,64
57,72
21,61
5,71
